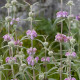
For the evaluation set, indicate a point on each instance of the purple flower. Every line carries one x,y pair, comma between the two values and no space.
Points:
65,14
78,17
62,14
69,78
17,19
73,54
61,38
31,61
67,54
13,79
47,59
7,37
18,43
14,21
31,34
31,50
36,58
10,58
42,59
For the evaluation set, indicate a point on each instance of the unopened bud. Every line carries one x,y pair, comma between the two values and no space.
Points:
31,14
7,5
11,43
72,40
8,18
41,76
50,53
29,18
70,3
23,66
45,44
1,67
13,2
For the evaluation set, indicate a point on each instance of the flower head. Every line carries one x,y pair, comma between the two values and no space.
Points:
70,78
31,50
7,37
62,14
78,17
31,34
73,54
31,61
61,38
10,59
17,42
14,21
47,59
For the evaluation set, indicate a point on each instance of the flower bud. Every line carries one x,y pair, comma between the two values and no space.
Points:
13,2
45,44
23,66
1,67
8,18
29,18
41,76
7,5
11,43
70,17
72,40
31,14
50,53
70,3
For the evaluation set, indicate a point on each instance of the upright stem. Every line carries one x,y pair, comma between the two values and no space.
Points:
45,66
32,45
12,71
8,22
69,21
61,61
69,35
0,74
61,44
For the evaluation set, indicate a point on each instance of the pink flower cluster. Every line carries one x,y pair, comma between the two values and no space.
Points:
47,59
17,42
69,78
7,37
31,34
14,20
62,14
73,54
10,58
62,38
31,51
31,61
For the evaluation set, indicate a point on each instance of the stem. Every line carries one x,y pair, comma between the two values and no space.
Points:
69,35
45,65
0,74
61,44
12,71
69,20
60,61
32,45
69,68
8,22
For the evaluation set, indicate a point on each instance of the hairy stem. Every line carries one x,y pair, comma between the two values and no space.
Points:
0,74
45,66
69,35
12,71
61,44
32,45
